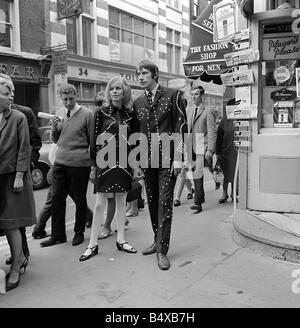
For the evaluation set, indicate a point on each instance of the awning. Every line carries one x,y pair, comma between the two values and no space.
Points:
205,57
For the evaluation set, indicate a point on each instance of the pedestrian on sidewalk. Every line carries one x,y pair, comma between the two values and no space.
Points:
159,111
111,180
35,145
183,180
226,153
15,182
71,128
204,133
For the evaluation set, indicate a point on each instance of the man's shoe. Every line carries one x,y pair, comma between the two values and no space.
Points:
197,208
36,234
78,239
141,204
53,241
176,202
163,261
190,194
150,250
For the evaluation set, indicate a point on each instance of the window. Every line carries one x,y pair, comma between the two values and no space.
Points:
273,4
173,3
131,38
6,23
280,69
174,51
80,30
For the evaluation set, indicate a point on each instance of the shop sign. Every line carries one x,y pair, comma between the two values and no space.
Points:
296,22
298,81
237,78
59,60
19,72
241,57
281,74
283,114
281,48
238,112
68,8
224,14
283,95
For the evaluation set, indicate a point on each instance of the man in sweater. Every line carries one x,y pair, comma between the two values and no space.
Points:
70,130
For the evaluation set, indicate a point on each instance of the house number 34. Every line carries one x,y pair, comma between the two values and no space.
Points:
83,71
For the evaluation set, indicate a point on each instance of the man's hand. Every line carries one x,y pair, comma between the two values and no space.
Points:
175,170
208,155
92,174
137,174
55,120
18,183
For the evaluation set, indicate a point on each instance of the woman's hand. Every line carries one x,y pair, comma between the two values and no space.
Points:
92,174
18,183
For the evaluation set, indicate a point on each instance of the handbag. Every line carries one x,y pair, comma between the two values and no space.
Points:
135,192
218,175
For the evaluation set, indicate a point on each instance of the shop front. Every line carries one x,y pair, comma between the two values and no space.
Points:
30,77
269,173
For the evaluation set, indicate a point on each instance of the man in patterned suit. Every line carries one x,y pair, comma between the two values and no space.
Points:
159,111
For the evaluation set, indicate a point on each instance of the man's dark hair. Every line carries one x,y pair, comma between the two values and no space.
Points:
202,91
150,66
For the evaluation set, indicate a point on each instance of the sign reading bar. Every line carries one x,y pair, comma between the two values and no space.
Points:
68,8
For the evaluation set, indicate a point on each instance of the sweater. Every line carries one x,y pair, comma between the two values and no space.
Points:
72,137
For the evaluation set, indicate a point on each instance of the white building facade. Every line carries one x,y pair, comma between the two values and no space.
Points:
111,36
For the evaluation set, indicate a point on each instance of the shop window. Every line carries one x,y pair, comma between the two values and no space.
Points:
5,23
88,90
131,38
280,76
80,30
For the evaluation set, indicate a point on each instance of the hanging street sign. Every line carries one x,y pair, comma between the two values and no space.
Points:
68,8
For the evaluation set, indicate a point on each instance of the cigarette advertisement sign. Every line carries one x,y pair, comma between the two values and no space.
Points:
68,8
283,114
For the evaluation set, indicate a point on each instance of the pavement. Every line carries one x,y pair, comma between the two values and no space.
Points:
210,267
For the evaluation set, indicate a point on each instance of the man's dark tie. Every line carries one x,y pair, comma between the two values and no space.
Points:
196,109
68,113
149,97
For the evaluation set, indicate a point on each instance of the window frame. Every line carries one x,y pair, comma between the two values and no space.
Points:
174,45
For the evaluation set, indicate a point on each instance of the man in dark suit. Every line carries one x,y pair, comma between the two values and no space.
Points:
159,111
35,145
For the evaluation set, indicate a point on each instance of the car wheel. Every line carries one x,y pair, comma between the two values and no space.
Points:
39,176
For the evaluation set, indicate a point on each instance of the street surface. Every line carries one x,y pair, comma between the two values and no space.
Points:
208,269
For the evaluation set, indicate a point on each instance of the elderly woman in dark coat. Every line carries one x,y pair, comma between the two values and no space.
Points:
226,152
17,208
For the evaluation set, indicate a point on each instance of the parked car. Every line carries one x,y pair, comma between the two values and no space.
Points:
41,168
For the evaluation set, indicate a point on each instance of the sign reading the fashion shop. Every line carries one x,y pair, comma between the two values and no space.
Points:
281,48
59,60
18,72
68,8
283,114
224,14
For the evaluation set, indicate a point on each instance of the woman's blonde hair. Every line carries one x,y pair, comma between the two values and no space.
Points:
127,100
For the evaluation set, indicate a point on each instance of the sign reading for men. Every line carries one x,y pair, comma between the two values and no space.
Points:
68,8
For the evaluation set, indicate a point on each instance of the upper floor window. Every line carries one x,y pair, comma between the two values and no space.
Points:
80,30
273,4
131,39
173,3
174,61
6,23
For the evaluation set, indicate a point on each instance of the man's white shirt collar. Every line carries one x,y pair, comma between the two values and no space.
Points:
74,110
153,91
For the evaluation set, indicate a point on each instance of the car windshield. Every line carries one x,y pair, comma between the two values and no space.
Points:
45,134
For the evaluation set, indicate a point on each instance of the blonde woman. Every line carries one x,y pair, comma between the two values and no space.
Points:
112,181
